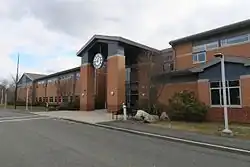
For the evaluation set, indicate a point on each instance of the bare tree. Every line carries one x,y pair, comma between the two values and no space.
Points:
63,88
150,65
8,87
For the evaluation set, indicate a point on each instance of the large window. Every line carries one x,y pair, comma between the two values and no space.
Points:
235,40
51,100
199,57
232,92
205,47
65,98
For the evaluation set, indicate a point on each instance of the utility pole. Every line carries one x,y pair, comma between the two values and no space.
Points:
27,99
6,99
16,80
2,97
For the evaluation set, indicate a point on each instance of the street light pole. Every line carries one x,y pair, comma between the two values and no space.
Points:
223,78
27,99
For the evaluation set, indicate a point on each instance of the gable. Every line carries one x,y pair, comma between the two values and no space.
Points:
24,80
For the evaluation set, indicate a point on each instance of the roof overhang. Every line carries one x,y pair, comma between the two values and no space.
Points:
106,39
213,32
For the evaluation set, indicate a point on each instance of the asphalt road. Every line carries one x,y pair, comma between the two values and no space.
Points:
39,142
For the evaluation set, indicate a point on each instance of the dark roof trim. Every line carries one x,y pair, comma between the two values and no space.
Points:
227,28
34,76
113,38
190,71
229,59
166,50
58,73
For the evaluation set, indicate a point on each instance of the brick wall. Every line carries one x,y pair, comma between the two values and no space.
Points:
184,53
239,115
170,89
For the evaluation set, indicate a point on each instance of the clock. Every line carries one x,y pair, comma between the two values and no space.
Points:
98,61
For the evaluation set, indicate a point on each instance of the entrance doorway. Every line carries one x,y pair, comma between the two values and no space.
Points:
131,85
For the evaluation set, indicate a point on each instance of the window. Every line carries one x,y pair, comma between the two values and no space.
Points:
71,98
56,99
65,99
51,100
44,99
36,99
168,66
199,57
40,99
212,45
232,93
205,47
59,99
235,40
77,76
199,48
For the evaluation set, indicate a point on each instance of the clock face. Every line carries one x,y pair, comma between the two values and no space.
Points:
98,61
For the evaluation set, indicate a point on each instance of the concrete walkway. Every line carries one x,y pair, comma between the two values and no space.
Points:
96,116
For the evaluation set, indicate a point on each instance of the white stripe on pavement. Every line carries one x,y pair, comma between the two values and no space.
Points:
23,119
197,143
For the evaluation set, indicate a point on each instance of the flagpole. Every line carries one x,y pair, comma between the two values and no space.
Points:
16,80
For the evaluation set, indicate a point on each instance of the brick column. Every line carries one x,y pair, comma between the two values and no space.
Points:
245,90
115,77
203,91
101,87
87,98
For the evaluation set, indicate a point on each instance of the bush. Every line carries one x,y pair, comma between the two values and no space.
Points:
185,106
18,103
75,105
155,108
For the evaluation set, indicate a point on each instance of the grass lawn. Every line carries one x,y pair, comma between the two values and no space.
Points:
210,128
33,108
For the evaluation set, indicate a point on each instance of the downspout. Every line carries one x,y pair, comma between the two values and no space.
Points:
174,54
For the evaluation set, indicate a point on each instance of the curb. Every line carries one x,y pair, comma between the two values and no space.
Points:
169,138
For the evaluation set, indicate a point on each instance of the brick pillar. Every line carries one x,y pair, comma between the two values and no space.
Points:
101,87
203,91
87,102
245,90
115,77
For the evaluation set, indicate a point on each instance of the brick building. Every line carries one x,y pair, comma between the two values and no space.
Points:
111,72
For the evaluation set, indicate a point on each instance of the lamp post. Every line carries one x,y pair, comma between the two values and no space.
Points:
223,79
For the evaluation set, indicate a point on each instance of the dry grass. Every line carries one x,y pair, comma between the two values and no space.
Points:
239,130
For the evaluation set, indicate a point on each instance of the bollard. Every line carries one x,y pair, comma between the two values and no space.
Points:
124,112
47,106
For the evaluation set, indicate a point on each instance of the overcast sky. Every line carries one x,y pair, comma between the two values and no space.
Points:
47,33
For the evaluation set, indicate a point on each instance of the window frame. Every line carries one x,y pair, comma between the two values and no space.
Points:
198,61
228,92
224,42
51,99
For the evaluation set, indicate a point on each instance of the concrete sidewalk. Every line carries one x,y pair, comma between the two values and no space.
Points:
93,117
223,141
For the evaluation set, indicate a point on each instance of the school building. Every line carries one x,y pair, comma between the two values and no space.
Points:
111,73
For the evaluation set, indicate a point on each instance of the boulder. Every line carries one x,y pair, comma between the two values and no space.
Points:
146,117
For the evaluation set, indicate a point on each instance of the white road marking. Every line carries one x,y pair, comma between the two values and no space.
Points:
176,139
23,119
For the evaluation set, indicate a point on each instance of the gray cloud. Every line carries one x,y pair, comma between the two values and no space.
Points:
40,27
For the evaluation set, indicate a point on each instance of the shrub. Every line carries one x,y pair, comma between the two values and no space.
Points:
186,107
155,108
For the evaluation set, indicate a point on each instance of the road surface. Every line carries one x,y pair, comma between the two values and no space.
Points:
33,141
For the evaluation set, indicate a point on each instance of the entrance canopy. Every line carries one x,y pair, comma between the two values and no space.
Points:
111,45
